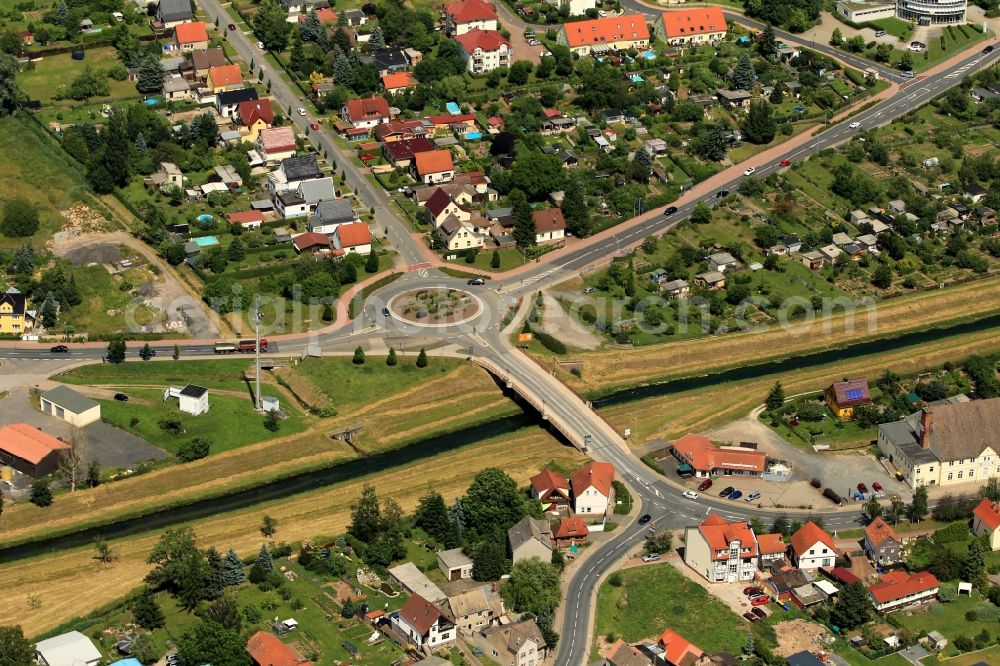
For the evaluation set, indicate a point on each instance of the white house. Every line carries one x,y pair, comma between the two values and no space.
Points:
721,551
466,15
366,113
592,488
578,7
484,51
331,214
812,547
191,399
549,225
72,649
433,166
66,404
424,624
898,589
354,238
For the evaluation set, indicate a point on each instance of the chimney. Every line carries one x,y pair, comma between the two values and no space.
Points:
925,428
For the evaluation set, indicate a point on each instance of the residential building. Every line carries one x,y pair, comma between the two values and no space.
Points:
398,82
224,77
330,214
570,531
704,25
30,451
248,219
883,545
433,166
626,654
721,551
813,548
442,206
613,33
843,397
365,113
400,153
986,520
276,143
484,50
772,548
355,17
14,315
176,88
388,61
898,589
592,488
711,280
945,444
311,243
203,60
677,650
550,489
70,649
577,7
416,582
465,15
354,238
304,199
228,103
266,649
190,36
255,115
458,234
517,644
167,175
734,99
549,225
708,460
296,8
171,13
291,172
455,565
398,130
424,624
530,537
74,408
475,609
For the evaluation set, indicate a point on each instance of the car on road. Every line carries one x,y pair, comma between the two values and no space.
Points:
476,282
855,125
232,26
908,74
727,491
735,495
759,612
59,349
121,397
863,488
877,486
988,49
749,171
644,518
314,126
385,312
721,193
753,497
785,163
690,494
705,485
670,210
144,355
652,557
260,45
752,591
761,600
301,111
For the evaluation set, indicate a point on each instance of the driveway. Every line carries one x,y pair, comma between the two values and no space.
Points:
522,50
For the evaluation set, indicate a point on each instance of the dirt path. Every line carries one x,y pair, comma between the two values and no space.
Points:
178,299
558,323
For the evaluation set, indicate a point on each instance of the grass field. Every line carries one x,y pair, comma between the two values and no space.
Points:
215,373
34,168
655,598
55,577
53,73
950,620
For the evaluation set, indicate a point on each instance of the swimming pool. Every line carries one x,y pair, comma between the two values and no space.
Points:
205,241
205,217
152,101
648,55
473,136
637,79
453,108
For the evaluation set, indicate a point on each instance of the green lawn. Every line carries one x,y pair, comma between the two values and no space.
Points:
53,73
215,373
509,258
949,619
654,598
838,434
893,26
230,423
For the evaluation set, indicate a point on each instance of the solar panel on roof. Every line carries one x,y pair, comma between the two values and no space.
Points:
854,394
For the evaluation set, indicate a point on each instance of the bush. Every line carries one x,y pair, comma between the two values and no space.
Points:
816,483
952,534
947,593
552,344
971,616
616,580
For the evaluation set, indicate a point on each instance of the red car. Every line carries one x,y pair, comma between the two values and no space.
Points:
752,591
877,486
751,617
863,489
705,485
785,163
315,126
760,600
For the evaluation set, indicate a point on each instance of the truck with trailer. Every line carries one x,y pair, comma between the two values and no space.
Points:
241,346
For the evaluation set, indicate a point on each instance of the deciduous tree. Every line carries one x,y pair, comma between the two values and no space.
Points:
533,587
20,217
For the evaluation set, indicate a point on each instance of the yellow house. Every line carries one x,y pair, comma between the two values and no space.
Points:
256,115
843,397
14,317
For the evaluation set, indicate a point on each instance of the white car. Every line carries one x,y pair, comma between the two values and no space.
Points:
260,45
602,13
690,494
749,171
855,125
652,557
302,111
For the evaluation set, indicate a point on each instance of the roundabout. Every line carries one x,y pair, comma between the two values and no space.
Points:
435,307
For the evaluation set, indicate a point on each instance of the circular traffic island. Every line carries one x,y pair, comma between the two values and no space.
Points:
435,306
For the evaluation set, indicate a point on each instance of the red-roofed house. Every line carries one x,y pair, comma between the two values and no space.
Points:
423,623
311,243
772,547
400,153
550,489
570,531
29,450
398,82
276,143
898,589
613,33
549,225
191,36
882,543
466,15
248,219
266,649
813,548
366,113
448,122
398,130
721,551
678,651
843,397
692,26
592,488
353,238
707,459
986,520
226,77
484,50
433,166
325,15
442,206
256,115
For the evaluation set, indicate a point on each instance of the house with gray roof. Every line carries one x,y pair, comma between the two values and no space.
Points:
530,537
74,408
170,13
291,171
331,214
305,198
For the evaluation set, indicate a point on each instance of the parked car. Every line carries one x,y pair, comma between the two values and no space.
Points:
727,491
752,591
877,486
760,600
863,488
121,397
652,557
690,494
750,617
314,126
736,494
476,282
880,33
645,518
59,349
759,612
753,497
705,485
589,290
